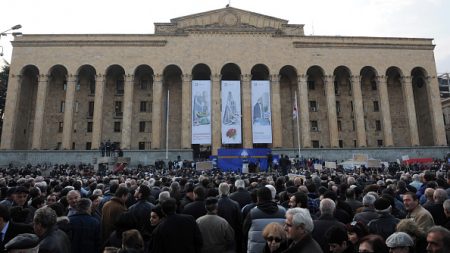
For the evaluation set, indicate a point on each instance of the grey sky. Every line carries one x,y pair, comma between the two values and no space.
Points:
385,18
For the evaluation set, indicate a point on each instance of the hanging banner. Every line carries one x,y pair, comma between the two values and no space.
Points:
261,112
231,112
201,112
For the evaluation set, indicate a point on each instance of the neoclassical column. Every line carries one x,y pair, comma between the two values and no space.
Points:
11,114
186,117
331,109
128,81
385,111
215,114
304,110
247,138
156,112
68,112
277,140
410,109
41,97
358,109
437,119
100,83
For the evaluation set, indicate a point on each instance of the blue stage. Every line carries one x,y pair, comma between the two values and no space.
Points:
233,159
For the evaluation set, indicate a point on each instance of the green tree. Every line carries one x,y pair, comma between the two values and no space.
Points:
4,73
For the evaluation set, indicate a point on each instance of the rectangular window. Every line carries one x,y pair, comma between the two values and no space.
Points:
373,83
339,125
141,145
77,105
338,107
143,107
65,85
351,105
88,145
354,143
353,125
89,127
311,85
92,87
144,84
376,106
62,106
60,126
142,126
73,145
378,125
77,86
117,126
380,143
336,88
118,108
120,87
313,106
91,109
315,144
314,126
58,146
341,143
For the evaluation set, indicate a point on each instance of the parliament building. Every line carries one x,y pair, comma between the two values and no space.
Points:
226,78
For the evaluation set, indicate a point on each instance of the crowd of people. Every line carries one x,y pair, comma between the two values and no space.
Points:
73,208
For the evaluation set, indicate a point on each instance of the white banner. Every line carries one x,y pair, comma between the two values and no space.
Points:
231,112
261,112
201,112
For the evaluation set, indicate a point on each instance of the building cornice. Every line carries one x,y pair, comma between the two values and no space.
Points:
90,43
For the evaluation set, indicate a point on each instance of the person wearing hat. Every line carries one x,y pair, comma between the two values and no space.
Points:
355,231
384,225
337,239
23,243
400,242
10,229
217,234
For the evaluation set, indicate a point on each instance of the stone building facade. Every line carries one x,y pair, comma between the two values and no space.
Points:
75,91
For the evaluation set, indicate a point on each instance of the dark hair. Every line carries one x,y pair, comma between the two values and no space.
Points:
158,211
145,191
264,194
4,213
412,194
331,195
58,208
200,192
377,242
169,206
336,234
132,239
121,191
302,198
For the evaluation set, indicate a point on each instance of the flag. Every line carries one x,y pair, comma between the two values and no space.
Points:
294,110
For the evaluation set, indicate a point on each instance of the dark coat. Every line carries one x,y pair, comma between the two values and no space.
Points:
54,240
85,236
242,196
384,226
306,245
231,212
13,230
140,212
321,226
196,209
437,211
177,233
110,213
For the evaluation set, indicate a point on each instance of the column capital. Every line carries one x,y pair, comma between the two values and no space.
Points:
275,78
328,79
71,78
215,77
381,80
246,77
41,78
303,78
406,79
354,78
186,77
157,78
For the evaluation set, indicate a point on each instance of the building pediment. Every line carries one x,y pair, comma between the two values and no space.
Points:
228,20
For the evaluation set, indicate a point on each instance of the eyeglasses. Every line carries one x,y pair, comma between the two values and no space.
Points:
271,239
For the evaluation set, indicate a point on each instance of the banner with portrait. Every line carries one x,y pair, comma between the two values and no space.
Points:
231,112
261,112
201,112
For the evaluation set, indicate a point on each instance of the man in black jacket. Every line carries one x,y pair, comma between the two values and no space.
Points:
9,229
231,212
241,195
177,232
85,229
51,238
196,208
142,208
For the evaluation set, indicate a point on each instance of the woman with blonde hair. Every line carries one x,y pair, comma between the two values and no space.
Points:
417,234
275,237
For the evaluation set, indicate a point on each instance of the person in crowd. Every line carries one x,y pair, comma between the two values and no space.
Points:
436,209
325,221
241,195
85,229
275,236
73,197
338,241
51,238
10,229
217,234
142,208
95,212
418,235
355,231
265,212
51,198
197,207
246,209
20,196
156,216
368,212
400,242
112,210
429,192
299,226
385,224
177,232
23,243
132,241
373,243
124,222
231,212
446,206
438,239
350,199
417,212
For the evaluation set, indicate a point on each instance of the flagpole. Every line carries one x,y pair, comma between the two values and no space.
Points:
167,126
298,127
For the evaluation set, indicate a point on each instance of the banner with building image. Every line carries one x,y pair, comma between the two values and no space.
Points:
201,112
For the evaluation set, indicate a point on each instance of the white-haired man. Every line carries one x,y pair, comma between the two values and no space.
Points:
241,195
298,226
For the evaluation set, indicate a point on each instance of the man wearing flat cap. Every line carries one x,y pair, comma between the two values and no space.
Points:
23,243
10,229
400,242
